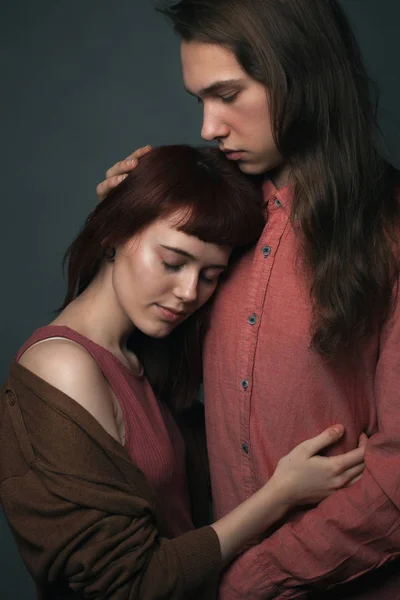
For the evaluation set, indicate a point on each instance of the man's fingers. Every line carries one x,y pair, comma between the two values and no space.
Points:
139,152
320,441
119,171
121,167
105,187
124,166
130,161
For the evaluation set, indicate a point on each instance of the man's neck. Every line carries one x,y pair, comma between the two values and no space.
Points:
280,176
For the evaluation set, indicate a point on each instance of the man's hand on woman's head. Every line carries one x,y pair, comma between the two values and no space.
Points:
119,171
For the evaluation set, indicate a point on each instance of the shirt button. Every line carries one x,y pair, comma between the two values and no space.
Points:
266,250
244,384
252,319
245,448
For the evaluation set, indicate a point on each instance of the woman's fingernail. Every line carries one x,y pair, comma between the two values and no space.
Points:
122,177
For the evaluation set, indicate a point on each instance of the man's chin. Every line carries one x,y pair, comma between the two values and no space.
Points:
250,168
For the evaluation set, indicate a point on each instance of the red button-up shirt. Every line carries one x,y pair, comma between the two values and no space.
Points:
266,391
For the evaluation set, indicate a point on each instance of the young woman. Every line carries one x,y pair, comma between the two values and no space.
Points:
94,470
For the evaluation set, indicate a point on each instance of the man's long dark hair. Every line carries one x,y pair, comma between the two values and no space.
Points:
325,127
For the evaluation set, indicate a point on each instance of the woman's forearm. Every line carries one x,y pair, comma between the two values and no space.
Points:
251,518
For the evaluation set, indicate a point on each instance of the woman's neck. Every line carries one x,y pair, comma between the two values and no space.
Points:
97,314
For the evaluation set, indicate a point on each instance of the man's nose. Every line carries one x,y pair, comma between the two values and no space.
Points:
213,125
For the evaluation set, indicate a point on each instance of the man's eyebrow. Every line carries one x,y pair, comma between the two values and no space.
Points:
217,86
188,255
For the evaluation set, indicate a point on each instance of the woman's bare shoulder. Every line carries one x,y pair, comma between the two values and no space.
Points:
68,366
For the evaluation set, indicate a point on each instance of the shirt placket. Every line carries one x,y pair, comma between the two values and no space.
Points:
259,277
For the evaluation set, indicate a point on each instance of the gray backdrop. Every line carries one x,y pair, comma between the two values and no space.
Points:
83,84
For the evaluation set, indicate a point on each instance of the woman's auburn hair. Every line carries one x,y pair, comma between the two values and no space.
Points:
325,127
214,201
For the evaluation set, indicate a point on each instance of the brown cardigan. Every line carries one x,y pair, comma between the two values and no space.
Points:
86,522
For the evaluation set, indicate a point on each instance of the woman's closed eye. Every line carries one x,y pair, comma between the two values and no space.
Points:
210,276
171,268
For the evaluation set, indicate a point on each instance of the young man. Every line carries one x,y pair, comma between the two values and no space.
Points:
306,330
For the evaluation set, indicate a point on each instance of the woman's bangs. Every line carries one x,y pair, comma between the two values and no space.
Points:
222,220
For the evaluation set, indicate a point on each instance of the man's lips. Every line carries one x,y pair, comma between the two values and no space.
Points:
233,154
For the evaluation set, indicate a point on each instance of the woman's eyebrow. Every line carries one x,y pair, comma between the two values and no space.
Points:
179,251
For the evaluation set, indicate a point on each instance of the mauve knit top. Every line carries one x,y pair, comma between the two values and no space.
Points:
152,438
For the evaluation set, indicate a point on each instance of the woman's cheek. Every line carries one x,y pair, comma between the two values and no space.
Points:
148,263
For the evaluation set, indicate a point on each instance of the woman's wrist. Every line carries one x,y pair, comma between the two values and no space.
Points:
254,516
282,492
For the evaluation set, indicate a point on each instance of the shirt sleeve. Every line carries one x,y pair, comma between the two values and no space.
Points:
352,532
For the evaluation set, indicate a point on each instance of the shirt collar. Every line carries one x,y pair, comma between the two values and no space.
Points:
284,195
